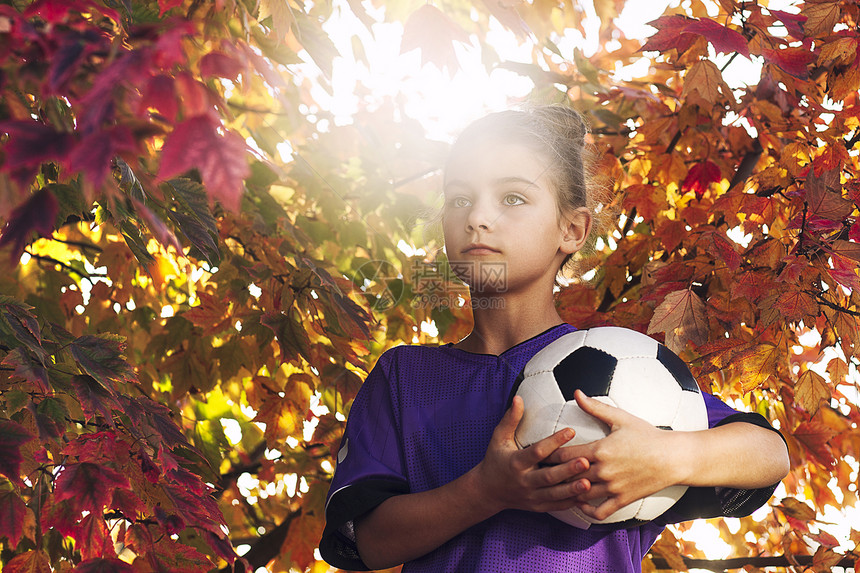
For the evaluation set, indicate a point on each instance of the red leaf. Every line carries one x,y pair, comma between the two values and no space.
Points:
88,486
28,370
62,516
219,158
221,65
168,556
30,144
95,399
36,215
93,537
725,40
160,94
682,316
29,562
127,502
54,11
197,510
171,523
12,437
101,357
793,22
793,61
95,152
814,435
168,49
434,33
669,35
699,178
13,512
103,566
725,251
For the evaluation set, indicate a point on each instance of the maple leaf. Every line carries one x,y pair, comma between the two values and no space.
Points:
756,364
29,562
165,5
220,158
30,144
704,78
95,398
291,335
101,565
101,357
12,437
168,556
93,537
820,17
28,370
700,177
794,60
160,94
221,65
670,35
35,216
683,317
793,22
814,436
810,390
281,15
88,486
434,33
724,39
94,154
14,514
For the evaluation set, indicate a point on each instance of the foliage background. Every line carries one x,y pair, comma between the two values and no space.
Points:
189,304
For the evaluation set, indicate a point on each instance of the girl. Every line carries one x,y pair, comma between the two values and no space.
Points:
428,473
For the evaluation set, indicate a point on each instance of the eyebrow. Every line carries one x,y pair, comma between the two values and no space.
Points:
499,181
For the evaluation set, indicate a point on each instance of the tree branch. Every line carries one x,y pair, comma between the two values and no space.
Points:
265,548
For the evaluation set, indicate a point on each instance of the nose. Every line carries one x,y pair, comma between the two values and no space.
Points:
480,217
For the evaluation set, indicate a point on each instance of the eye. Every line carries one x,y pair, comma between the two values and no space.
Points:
459,201
511,200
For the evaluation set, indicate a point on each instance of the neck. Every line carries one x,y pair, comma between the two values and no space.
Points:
503,320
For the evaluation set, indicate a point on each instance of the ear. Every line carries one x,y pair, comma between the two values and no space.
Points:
576,226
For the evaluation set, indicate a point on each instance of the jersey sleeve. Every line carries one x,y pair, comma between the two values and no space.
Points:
370,466
706,502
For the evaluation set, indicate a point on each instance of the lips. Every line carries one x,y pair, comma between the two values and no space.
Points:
479,248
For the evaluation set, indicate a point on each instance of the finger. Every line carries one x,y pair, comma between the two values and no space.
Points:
602,510
540,451
509,422
569,453
603,412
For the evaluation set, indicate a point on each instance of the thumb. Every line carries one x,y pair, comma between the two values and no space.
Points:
509,422
610,415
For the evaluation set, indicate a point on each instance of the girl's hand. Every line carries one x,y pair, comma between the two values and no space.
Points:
631,463
511,478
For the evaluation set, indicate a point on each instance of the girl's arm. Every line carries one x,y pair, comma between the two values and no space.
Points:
636,459
408,526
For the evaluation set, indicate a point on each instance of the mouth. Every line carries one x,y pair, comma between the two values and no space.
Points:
479,248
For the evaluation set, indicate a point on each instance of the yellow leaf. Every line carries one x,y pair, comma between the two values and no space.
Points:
756,364
810,390
820,18
281,15
794,157
841,52
705,79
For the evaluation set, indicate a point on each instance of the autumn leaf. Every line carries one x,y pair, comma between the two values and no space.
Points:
705,79
793,60
88,486
30,220
221,65
756,364
29,562
95,398
220,159
12,437
93,537
815,435
27,369
281,16
700,177
101,357
820,17
670,34
14,514
434,33
683,317
810,390
724,39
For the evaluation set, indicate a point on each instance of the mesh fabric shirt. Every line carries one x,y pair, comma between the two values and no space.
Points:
425,416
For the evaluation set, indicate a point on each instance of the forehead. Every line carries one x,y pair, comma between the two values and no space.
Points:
487,160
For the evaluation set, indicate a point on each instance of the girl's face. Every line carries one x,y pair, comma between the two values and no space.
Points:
502,224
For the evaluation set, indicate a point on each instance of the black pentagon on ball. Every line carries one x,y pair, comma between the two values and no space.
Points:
677,368
587,369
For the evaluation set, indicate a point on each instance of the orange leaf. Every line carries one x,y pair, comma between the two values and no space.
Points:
810,390
704,78
683,317
820,18
29,562
814,436
757,364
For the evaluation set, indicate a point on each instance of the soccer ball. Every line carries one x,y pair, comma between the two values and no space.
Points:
620,367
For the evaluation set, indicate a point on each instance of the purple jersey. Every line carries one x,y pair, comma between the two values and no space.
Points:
425,416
